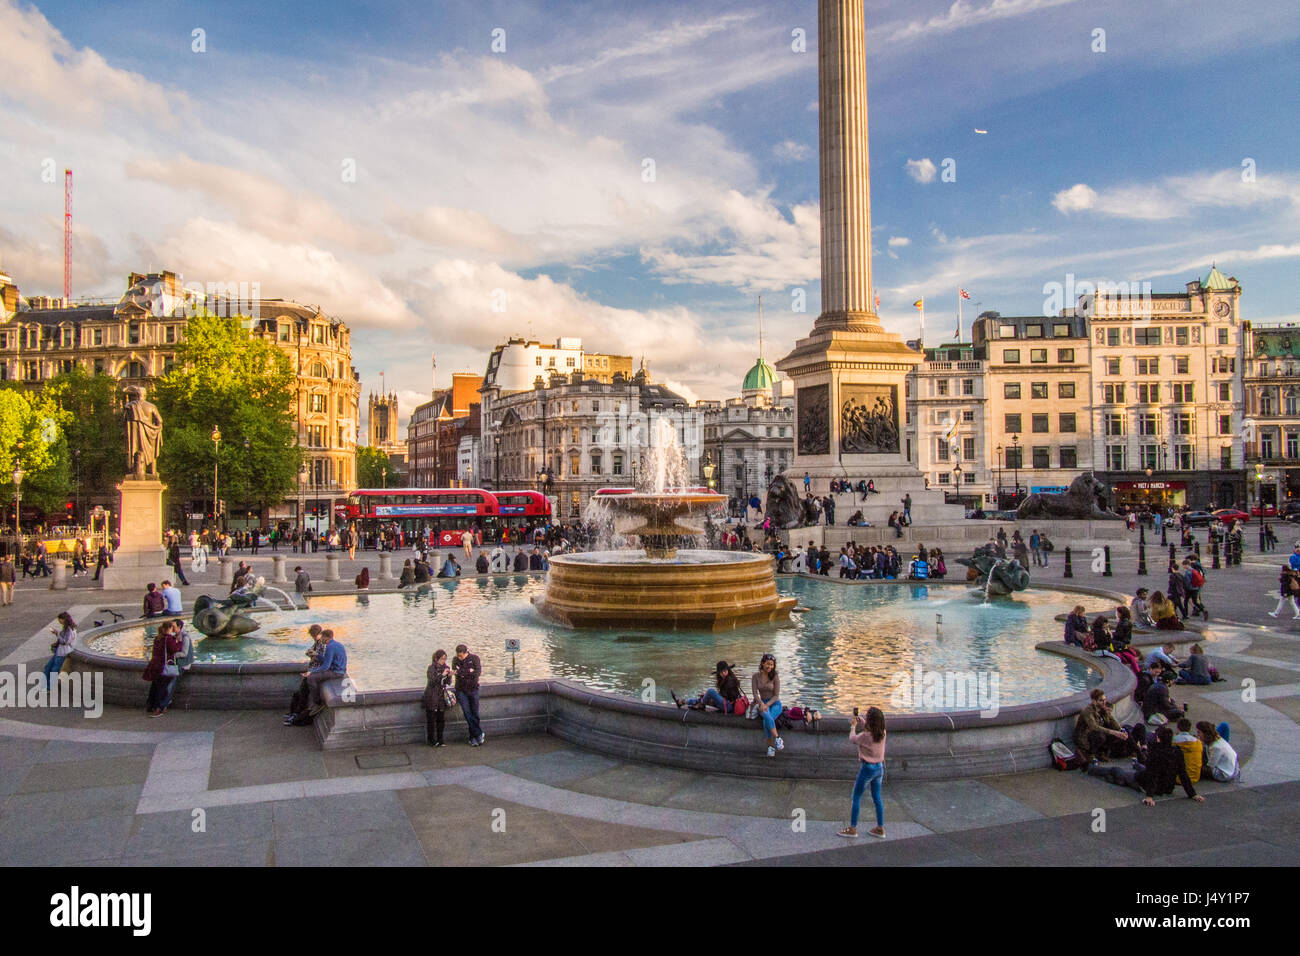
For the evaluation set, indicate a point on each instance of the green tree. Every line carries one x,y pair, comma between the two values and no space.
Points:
244,386
93,428
371,463
31,435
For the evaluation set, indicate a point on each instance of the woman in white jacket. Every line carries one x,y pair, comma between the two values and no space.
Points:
1220,758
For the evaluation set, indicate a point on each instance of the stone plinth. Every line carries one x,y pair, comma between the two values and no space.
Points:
278,574
140,557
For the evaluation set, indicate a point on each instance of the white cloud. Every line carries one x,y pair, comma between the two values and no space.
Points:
962,15
1078,197
922,170
1176,197
899,241
790,152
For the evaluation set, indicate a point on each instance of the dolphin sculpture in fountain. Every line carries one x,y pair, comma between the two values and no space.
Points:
229,617
996,575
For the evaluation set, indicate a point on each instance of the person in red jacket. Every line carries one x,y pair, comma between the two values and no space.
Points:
166,646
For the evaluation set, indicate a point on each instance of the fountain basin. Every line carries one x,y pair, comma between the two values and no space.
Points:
694,590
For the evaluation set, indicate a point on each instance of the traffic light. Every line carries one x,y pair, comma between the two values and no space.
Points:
71,506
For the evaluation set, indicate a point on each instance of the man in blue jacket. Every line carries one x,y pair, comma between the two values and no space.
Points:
333,665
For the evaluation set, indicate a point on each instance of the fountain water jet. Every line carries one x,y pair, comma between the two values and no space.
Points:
666,582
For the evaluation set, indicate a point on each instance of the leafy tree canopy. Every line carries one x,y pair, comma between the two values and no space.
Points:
371,463
244,386
31,435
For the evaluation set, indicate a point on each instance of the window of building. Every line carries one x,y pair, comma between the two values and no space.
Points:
1011,356
96,336
1183,424
1033,331
1113,423
569,362
945,478
1015,458
1148,455
1007,332
1061,330
99,366
1116,458
575,465
550,361
1222,336
286,332
1065,390
967,415
1180,335
1266,402
1184,457
595,463
1225,457
595,406
1069,457
318,333
1147,336
1065,355
1011,390
1148,366
1146,423
1112,366
4,340
1040,423
1067,421
1223,364
941,387
1225,424
1112,337
133,333
1038,355
539,360
1013,424
618,464
318,404
574,437
66,337
968,386
1184,391
1042,456
1113,394
1266,445
1181,365
941,449
1038,390
968,449
1149,393
575,504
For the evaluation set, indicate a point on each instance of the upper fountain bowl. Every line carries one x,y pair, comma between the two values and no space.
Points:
659,519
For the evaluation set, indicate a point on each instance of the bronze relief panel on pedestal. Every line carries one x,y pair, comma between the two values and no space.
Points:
814,411
869,420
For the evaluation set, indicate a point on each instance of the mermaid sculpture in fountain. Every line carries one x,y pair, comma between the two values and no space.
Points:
228,618
996,575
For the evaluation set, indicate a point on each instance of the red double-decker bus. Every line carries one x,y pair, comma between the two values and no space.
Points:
442,515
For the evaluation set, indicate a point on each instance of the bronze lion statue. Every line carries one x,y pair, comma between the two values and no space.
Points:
1081,500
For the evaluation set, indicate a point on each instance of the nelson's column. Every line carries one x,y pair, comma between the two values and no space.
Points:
849,373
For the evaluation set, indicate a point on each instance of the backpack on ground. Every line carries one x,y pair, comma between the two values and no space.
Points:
1063,756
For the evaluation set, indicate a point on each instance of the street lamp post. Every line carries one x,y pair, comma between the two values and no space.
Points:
18,501
1015,447
302,500
1259,500
248,505
956,477
496,470
216,463
997,495
708,474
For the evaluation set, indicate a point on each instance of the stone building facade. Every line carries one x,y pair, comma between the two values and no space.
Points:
750,439
135,339
1271,427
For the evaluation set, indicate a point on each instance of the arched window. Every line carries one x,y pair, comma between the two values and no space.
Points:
318,370
1292,401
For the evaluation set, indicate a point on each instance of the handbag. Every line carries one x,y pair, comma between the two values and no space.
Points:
743,705
170,669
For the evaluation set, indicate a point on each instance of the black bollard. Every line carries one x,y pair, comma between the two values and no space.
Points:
1107,573
1173,556
1214,552
1196,544
1069,570
1164,538
1142,557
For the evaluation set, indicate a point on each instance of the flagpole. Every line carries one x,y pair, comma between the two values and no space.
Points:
959,316
923,325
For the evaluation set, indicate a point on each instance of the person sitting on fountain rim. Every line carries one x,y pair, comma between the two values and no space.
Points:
1164,613
1141,610
723,696
300,702
1076,627
407,577
1099,636
332,666
153,604
1098,735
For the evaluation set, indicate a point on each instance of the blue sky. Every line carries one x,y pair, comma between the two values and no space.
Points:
519,173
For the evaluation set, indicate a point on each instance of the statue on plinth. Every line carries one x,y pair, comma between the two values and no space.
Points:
143,434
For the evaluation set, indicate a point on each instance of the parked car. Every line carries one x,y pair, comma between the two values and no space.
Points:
1265,511
1197,519
1227,515
1291,511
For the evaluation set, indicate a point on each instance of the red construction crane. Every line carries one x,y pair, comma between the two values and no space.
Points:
67,235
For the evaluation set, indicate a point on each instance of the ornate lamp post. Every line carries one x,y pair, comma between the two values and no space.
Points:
997,496
1015,447
1259,500
302,499
216,462
18,500
708,473
956,478
496,471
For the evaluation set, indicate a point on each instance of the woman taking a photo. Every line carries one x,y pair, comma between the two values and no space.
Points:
767,698
64,637
870,740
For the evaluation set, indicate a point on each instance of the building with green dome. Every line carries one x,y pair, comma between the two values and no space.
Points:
750,439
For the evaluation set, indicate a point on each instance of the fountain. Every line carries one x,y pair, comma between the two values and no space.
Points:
667,582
